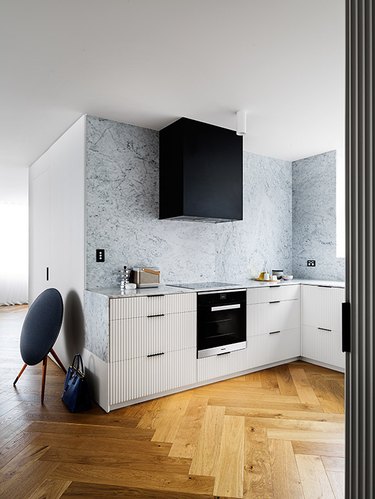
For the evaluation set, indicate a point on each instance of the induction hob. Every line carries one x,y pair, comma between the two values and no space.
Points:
207,286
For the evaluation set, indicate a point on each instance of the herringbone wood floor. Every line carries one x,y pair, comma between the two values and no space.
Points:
277,433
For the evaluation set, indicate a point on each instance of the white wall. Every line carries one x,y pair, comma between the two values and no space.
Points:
56,191
14,235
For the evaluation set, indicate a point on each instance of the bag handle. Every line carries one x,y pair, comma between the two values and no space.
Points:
77,363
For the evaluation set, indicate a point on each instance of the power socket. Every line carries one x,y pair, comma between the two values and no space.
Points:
311,263
100,255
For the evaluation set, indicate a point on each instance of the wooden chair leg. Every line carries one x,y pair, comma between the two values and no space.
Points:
19,375
44,372
55,356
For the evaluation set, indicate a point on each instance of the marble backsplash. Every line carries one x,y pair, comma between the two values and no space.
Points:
314,218
122,204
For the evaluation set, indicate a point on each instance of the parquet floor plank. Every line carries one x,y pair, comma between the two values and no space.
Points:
314,480
305,392
257,464
154,480
205,458
51,489
185,442
276,433
229,474
79,490
337,481
285,476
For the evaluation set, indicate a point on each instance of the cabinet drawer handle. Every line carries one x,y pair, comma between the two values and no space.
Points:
47,273
276,286
276,301
274,332
155,354
154,296
155,315
323,286
325,329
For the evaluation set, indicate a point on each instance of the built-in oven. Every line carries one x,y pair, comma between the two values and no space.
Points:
221,322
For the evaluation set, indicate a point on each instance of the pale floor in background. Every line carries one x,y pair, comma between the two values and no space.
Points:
278,433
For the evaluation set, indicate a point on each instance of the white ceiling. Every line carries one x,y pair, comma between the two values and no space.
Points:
148,62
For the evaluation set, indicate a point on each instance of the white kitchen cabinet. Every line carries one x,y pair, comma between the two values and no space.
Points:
217,366
145,376
274,347
154,304
273,292
323,345
321,325
152,346
57,231
142,336
273,324
273,316
321,306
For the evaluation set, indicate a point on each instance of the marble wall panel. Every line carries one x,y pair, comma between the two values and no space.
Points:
122,215
314,218
263,240
97,324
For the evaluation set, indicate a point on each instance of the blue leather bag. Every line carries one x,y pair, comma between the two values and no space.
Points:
76,395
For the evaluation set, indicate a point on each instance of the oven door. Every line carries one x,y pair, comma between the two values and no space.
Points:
221,322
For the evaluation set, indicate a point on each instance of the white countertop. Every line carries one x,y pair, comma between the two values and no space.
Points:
166,289
308,282
128,293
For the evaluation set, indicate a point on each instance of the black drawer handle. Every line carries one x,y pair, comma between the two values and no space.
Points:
325,329
224,353
154,296
323,286
276,286
156,315
155,354
276,301
274,332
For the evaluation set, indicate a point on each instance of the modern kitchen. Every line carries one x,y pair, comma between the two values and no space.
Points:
196,297
194,274
189,207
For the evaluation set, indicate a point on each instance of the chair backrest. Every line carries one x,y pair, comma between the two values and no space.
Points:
41,326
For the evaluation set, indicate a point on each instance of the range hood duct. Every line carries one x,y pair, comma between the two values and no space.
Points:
201,172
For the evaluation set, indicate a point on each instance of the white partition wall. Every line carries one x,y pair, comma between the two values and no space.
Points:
360,249
56,200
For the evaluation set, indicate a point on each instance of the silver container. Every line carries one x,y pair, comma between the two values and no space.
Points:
146,277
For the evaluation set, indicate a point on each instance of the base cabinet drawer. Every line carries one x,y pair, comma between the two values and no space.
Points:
323,345
222,365
321,306
135,378
273,292
142,306
142,336
272,316
268,348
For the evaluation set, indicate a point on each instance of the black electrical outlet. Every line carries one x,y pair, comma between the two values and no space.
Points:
100,255
311,263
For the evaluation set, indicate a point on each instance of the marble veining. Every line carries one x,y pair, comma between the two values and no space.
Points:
122,205
314,218
97,324
263,239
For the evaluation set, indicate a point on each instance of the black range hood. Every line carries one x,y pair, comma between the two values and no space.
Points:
201,172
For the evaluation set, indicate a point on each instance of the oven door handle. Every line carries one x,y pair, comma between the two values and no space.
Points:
225,307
